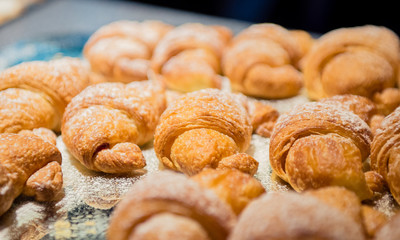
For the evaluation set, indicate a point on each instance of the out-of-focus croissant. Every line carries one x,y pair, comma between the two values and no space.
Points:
318,144
29,165
121,51
262,61
385,152
288,215
188,57
35,94
206,128
167,205
359,60
105,123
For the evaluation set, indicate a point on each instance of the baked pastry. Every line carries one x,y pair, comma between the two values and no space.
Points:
234,187
391,230
35,94
262,61
121,50
317,144
385,152
387,100
103,125
167,205
373,220
287,215
358,60
200,129
305,41
188,57
29,165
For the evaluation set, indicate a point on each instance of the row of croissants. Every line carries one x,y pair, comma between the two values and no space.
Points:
341,151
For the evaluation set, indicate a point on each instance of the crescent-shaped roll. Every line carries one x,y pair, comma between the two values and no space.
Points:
35,94
358,60
167,205
262,61
103,125
29,165
200,129
288,215
121,51
385,152
188,57
318,144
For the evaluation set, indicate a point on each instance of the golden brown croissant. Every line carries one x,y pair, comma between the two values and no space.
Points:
359,60
287,215
385,152
121,50
390,230
29,165
262,61
105,123
35,94
188,57
167,205
200,129
232,186
318,144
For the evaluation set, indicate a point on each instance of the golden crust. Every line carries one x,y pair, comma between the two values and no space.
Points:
385,152
359,60
221,114
121,50
188,57
234,187
293,216
182,199
390,230
373,220
35,94
324,130
261,61
240,161
28,165
103,125
387,100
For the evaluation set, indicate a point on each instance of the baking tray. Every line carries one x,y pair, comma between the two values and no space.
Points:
83,210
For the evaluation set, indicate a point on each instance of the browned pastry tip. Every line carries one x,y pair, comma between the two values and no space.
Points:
375,123
390,230
35,94
240,161
261,61
201,128
385,152
263,117
121,51
234,187
105,123
167,205
188,57
375,182
339,197
28,165
316,145
357,60
373,220
359,105
387,100
304,40
294,216
224,31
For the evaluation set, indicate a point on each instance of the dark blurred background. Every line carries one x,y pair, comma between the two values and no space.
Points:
317,16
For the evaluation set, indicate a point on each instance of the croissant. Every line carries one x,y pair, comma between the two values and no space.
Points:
385,152
29,165
202,128
103,125
167,205
390,231
318,144
359,60
188,57
121,50
262,61
287,215
232,186
35,94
